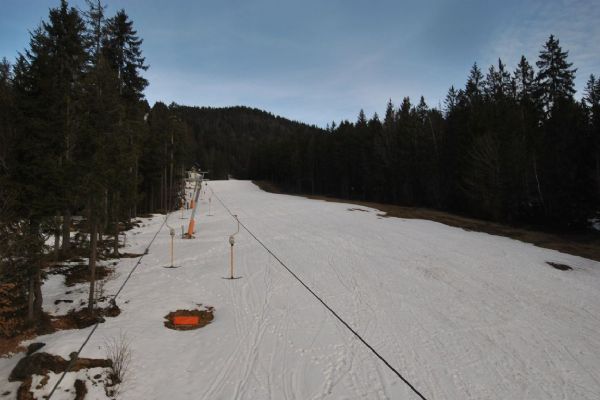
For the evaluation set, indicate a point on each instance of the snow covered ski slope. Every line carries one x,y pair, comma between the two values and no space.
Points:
461,315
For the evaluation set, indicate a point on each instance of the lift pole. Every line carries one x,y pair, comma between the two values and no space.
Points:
192,224
231,243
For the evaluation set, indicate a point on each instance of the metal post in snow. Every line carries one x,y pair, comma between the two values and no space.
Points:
172,232
231,243
192,223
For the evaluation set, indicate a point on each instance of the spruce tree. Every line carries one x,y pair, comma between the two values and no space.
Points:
451,100
64,34
555,79
475,85
592,101
123,50
45,82
524,78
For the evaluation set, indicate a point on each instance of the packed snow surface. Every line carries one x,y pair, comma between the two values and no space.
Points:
462,315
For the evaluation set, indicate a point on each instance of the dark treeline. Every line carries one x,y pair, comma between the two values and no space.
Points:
514,147
77,138
242,141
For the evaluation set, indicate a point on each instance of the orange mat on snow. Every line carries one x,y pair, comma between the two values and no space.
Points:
186,320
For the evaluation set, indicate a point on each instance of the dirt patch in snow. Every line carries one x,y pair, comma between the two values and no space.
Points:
193,319
43,363
561,267
80,273
80,319
12,345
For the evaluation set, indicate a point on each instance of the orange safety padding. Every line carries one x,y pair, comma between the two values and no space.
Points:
186,320
192,204
191,227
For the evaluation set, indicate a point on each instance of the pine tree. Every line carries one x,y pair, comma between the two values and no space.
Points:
524,77
7,112
592,101
46,84
123,50
555,79
451,100
498,84
361,120
475,85
99,150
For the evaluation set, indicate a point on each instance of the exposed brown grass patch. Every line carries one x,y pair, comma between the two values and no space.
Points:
80,273
585,245
83,318
13,344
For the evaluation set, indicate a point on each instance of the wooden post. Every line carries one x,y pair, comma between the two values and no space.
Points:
92,262
172,236
231,242
231,264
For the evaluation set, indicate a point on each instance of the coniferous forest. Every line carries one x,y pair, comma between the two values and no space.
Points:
79,142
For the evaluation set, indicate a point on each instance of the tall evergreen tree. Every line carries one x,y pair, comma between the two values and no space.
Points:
555,79
475,85
123,50
524,78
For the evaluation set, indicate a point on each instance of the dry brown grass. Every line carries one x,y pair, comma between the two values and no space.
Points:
585,245
9,346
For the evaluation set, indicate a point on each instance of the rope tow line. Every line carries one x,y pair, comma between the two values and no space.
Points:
335,314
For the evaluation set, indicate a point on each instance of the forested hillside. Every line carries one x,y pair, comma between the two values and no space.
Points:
514,147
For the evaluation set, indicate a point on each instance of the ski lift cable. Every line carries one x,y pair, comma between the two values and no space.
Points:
335,314
74,358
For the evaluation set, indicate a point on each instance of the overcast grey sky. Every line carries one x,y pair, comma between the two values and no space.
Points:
323,60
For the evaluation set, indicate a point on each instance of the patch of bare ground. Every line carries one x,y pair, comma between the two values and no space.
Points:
561,267
80,273
44,363
80,319
12,345
75,319
185,320
585,244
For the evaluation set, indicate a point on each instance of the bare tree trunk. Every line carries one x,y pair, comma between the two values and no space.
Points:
30,297
116,228
166,193
171,197
38,301
135,185
57,240
34,297
92,263
161,189
66,232
598,174
537,180
106,220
